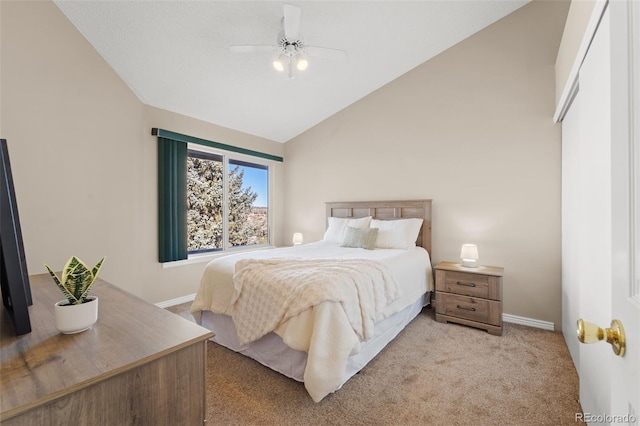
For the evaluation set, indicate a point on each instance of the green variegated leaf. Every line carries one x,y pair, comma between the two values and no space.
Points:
78,279
53,274
96,268
66,293
94,275
68,267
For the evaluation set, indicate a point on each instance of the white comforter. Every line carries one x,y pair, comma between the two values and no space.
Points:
270,291
324,331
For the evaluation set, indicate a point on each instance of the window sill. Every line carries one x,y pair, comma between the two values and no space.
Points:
202,258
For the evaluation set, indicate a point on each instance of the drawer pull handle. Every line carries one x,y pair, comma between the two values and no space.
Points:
466,284
466,309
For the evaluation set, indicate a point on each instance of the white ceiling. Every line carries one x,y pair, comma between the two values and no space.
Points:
175,54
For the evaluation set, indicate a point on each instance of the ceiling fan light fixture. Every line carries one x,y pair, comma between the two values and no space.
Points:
289,52
279,62
301,62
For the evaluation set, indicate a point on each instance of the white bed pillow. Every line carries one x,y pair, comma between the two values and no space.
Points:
338,226
398,233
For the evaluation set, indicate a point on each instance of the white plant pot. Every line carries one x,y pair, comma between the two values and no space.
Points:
72,319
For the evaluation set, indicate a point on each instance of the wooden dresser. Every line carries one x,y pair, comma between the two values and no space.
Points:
470,296
139,364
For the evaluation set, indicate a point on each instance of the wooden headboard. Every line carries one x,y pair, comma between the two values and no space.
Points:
388,210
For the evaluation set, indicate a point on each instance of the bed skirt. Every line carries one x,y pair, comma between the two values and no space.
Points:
272,352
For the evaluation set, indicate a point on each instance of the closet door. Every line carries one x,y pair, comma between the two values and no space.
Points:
594,217
601,221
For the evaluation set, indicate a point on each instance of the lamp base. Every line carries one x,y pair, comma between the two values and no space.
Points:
470,263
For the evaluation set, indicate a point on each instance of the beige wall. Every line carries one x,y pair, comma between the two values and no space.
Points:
574,29
473,130
83,158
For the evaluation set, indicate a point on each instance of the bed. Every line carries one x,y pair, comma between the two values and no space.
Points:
323,341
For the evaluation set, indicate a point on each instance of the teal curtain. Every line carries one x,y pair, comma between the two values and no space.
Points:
172,199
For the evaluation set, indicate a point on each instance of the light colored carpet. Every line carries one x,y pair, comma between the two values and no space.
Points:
431,374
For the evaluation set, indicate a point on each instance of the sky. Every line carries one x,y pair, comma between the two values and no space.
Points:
257,179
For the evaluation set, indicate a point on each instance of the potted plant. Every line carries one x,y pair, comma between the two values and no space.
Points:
79,311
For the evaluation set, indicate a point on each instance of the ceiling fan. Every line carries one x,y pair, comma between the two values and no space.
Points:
290,51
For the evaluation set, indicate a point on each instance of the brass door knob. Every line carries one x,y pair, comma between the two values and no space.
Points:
588,332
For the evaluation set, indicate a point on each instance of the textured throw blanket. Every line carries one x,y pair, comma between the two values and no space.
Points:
267,292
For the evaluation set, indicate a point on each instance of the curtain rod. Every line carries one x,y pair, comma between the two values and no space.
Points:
192,139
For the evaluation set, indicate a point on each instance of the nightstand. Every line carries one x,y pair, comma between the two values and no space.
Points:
470,296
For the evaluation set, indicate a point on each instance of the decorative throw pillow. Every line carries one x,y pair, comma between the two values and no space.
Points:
337,226
360,238
397,234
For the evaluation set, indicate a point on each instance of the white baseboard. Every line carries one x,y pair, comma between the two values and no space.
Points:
179,300
514,319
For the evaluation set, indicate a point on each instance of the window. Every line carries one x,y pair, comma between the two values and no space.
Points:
246,208
212,197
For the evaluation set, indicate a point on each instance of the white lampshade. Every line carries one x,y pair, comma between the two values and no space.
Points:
297,238
469,255
301,62
279,62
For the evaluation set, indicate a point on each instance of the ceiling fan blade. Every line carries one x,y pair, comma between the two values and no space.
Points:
253,48
291,19
326,52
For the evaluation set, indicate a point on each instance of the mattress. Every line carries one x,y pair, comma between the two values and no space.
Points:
322,349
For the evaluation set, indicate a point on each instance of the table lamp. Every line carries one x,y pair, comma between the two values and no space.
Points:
469,255
297,238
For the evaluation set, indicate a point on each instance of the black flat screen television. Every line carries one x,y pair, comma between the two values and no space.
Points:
14,279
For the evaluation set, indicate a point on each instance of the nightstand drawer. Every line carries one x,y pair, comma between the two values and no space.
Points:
471,308
468,284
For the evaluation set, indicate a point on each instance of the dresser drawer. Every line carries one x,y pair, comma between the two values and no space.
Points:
469,284
471,308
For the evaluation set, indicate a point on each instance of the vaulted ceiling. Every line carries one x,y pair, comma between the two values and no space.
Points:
175,55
